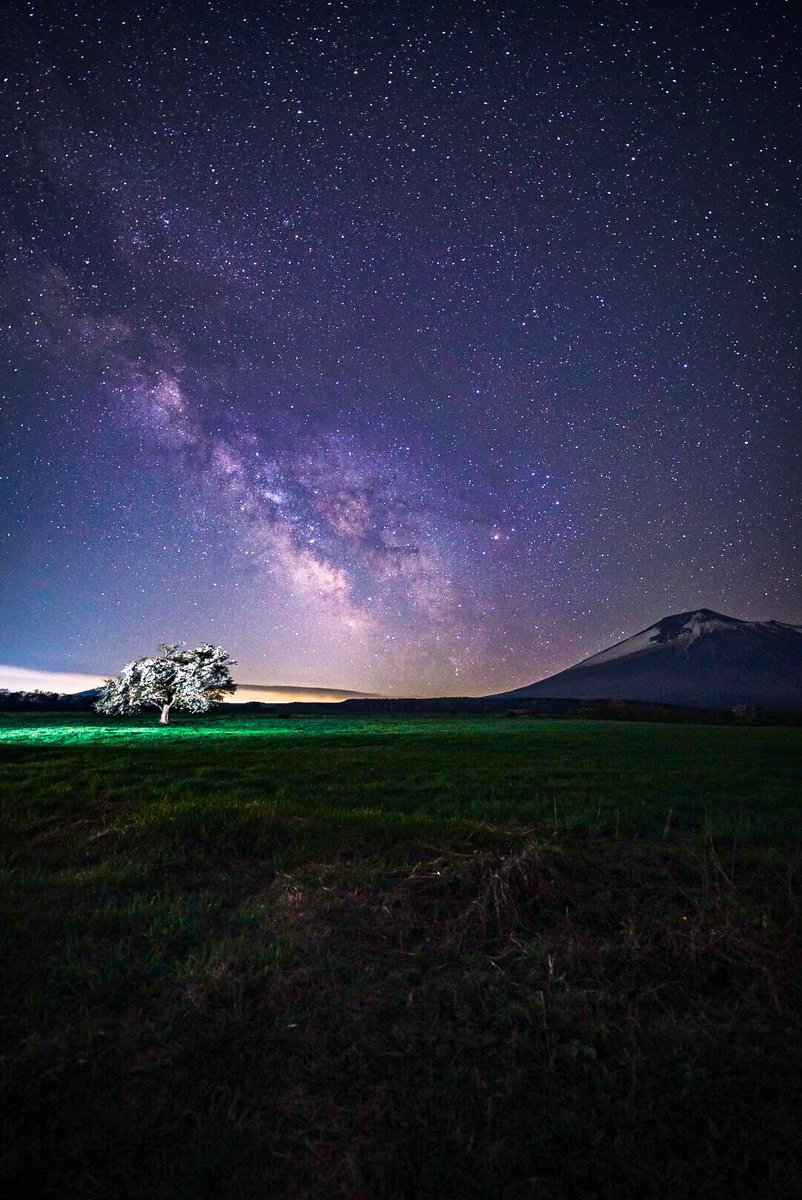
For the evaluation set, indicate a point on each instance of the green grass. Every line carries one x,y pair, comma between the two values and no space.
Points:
569,774
379,958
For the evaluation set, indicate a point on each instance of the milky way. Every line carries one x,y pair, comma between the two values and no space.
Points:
410,348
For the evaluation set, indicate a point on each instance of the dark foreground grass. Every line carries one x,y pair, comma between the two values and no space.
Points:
429,958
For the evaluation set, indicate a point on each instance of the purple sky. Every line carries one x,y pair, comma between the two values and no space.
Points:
405,348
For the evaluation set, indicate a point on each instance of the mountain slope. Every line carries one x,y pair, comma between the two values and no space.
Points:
699,658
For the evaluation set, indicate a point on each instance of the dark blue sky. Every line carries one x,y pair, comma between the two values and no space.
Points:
412,348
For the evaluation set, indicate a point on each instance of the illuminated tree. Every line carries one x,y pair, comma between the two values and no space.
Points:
186,679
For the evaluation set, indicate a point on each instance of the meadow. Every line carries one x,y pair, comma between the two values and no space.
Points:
384,957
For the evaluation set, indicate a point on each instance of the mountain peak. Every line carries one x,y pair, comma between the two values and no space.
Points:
692,624
700,657
710,614
701,616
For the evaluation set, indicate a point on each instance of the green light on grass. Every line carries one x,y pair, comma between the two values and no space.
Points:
113,734
90,730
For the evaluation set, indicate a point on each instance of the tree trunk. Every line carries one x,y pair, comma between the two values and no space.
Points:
165,717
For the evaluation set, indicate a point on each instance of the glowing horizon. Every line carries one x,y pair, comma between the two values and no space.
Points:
28,679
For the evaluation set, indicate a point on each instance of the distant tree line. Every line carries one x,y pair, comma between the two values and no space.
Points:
40,701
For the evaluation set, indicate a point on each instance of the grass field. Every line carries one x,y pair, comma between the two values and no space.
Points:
377,958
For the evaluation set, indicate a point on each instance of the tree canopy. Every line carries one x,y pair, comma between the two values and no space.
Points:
192,680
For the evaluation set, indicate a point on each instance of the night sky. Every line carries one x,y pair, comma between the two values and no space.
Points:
410,348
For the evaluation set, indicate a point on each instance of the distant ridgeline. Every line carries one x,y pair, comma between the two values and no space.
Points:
591,710
520,708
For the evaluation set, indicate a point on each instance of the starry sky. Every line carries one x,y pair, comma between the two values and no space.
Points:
410,348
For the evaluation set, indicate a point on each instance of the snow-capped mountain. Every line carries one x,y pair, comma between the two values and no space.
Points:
700,658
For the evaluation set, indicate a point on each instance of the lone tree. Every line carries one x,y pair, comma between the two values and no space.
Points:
175,678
